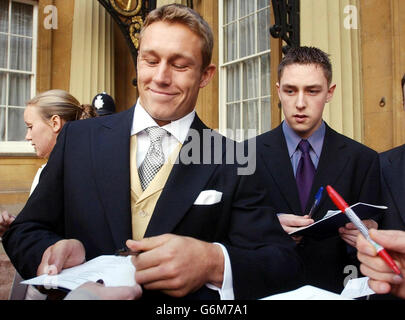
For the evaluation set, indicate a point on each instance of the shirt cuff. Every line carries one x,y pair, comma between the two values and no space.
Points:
226,291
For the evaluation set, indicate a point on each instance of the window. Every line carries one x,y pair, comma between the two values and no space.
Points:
244,67
17,70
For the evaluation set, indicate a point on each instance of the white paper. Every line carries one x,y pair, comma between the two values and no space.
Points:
330,213
307,293
113,270
356,288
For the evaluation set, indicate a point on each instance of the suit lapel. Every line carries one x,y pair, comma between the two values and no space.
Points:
184,184
275,156
332,161
277,161
394,176
110,151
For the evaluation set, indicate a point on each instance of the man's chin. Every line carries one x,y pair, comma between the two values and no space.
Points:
302,131
160,119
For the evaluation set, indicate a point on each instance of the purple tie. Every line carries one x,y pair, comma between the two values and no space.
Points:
305,173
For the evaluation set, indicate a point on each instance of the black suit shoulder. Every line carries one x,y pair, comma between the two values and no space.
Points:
270,136
392,183
354,145
107,121
395,153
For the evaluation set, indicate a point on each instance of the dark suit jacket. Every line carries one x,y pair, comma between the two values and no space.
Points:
393,188
84,193
349,167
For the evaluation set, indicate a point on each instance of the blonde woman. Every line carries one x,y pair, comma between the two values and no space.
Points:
44,117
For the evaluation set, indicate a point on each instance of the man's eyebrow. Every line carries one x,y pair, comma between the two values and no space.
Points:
288,86
311,86
174,57
146,51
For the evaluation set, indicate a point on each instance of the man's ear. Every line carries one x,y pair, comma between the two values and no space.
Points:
56,123
207,75
278,90
331,90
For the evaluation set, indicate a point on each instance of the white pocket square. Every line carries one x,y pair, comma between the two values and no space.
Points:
208,197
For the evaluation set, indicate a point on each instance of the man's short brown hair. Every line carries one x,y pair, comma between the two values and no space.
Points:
307,55
177,13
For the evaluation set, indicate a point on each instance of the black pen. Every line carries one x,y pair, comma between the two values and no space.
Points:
125,252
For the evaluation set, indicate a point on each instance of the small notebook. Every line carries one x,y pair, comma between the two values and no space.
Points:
329,225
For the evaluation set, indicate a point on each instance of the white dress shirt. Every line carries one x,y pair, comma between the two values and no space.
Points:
36,178
178,131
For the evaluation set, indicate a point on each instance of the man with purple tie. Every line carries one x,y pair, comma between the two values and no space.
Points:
303,154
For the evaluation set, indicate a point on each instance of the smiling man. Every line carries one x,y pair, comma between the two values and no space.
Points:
303,154
201,230
171,76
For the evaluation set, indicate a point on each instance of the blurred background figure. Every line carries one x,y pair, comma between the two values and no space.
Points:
44,117
104,104
392,163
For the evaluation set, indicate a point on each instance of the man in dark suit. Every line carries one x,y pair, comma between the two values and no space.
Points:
351,168
201,227
393,187
392,164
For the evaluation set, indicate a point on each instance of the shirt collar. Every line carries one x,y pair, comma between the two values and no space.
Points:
293,139
178,128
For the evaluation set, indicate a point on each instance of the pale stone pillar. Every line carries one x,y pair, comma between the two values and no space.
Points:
333,26
92,61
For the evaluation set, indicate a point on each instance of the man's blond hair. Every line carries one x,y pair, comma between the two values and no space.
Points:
177,13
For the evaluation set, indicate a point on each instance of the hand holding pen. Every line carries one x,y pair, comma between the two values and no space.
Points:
292,222
382,280
125,252
343,206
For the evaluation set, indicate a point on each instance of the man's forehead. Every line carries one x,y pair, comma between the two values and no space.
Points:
304,68
303,74
173,33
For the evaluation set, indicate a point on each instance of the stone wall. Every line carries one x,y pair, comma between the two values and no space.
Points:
6,276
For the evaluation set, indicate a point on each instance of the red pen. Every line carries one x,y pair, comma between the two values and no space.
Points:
343,206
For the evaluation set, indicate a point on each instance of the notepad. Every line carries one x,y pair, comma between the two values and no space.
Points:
307,293
329,225
113,270
357,288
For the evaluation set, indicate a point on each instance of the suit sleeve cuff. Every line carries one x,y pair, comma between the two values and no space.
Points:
226,291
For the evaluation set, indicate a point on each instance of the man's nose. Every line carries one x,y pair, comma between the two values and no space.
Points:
162,74
300,103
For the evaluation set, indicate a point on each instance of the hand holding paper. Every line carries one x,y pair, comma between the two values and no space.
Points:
349,232
63,254
113,270
292,222
97,291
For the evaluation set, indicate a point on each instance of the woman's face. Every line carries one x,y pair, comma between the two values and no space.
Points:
39,131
